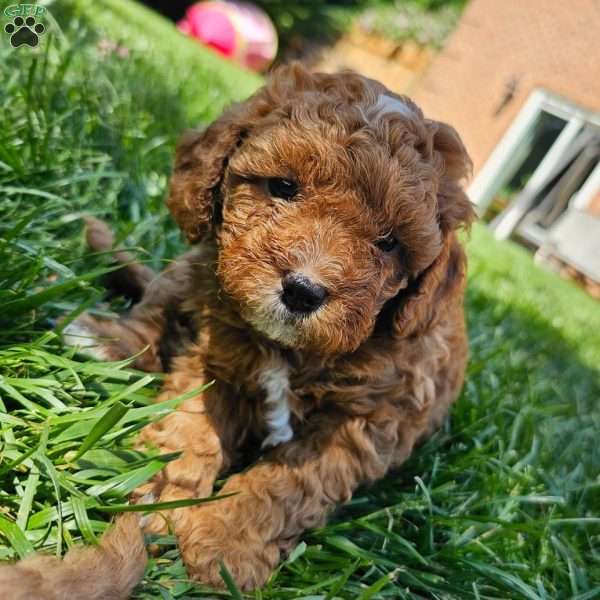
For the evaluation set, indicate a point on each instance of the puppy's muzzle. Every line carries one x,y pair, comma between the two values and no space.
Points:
300,295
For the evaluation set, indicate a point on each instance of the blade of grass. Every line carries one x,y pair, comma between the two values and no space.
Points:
229,582
102,426
16,538
159,506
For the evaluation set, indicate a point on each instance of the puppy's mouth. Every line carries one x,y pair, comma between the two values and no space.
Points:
275,321
284,313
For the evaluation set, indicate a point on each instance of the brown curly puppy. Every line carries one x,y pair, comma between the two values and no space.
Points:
325,299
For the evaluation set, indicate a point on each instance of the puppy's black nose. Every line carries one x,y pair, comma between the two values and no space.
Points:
300,294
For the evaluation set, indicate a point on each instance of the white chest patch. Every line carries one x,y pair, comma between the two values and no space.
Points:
275,381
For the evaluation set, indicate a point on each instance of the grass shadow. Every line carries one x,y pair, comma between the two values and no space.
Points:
515,466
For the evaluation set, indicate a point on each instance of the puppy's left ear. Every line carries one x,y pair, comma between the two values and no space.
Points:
434,291
454,165
429,297
200,160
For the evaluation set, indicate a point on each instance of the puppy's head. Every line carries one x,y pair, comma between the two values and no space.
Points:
329,198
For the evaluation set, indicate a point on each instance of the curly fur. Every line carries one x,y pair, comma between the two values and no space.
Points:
108,571
364,378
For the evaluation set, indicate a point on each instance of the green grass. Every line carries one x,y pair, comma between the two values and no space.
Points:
427,22
502,503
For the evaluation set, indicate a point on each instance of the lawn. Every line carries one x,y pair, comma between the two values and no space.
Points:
504,502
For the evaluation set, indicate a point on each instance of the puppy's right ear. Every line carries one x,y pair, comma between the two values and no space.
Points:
201,157
200,160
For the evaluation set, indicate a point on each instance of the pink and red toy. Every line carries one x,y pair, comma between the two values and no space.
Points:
239,31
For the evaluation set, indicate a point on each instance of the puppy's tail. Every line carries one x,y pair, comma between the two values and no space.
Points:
108,571
132,278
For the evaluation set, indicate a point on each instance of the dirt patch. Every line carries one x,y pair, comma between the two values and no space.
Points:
398,65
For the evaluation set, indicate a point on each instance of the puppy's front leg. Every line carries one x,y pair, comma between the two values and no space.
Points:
290,491
192,431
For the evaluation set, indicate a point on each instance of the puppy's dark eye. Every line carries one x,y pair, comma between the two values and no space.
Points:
285,189
387,244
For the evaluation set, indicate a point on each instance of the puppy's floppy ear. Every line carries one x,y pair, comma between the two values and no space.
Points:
200,160
454,165
202,156
431,294
429,297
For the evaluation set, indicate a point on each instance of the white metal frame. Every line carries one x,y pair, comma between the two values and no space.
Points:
488,180
517,210
588,190
482,189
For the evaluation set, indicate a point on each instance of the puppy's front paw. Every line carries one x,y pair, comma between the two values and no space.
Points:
210,542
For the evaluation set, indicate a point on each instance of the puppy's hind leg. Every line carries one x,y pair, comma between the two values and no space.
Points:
119,339
132,278
139,331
